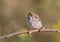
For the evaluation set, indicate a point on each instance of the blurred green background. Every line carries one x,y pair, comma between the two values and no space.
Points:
13,15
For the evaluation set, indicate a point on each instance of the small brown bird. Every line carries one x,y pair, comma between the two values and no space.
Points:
34,21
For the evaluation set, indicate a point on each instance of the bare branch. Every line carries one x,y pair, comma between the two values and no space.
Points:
29,32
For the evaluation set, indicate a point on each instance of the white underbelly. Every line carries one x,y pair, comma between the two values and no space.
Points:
36,24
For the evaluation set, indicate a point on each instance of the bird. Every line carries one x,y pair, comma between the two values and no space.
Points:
34,21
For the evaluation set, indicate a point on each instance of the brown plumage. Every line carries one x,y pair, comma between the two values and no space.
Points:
34,20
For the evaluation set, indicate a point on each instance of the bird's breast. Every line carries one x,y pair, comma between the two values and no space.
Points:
36,24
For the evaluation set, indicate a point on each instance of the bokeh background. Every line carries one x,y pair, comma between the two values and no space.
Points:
13,15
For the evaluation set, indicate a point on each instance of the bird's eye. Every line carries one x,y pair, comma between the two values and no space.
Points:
30,14
28,17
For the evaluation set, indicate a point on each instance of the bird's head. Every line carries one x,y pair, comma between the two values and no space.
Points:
32,15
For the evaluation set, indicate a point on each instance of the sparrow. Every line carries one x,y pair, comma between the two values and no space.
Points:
34,21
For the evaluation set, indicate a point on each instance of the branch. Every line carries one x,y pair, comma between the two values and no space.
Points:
29,32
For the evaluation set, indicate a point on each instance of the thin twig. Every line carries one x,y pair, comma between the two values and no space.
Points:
27,32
